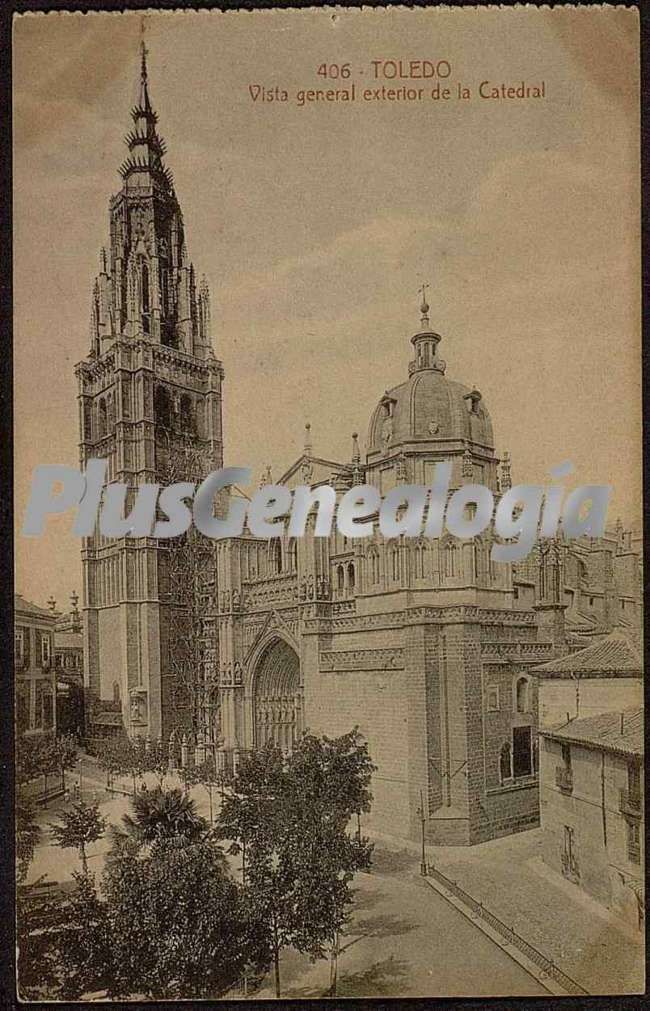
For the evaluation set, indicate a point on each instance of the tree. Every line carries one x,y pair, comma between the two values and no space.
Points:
163,814
205,774
40,916
65,754
36,756
111,757
28,834
155,758
289,817
81,825
134,759
170,924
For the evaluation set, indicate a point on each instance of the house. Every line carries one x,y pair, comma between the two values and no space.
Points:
605,676
34,667
591,807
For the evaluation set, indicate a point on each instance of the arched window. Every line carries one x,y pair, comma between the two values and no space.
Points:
451,560
374,565
505,765
162,407
186,414
293,554
110,412
481,560
394,555
521,695
420,561
117,695
340,579
275,556
351,577
101,418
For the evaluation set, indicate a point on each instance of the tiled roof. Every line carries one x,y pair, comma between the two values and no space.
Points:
26,606
604,731
613,655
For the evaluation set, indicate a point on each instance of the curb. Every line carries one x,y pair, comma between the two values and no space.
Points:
541,977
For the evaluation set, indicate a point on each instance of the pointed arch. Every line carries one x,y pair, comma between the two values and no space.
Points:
395,560
274,555
102,418
277,696
162,407
451,560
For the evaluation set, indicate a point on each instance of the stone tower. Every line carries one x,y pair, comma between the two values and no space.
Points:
150,404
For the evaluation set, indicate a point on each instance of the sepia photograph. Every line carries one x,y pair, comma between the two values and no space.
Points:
328,582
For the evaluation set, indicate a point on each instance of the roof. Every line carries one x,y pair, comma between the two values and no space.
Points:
26,607
604,731
430,407
68,640
613,656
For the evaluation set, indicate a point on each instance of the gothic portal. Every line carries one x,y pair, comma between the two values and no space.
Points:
277,698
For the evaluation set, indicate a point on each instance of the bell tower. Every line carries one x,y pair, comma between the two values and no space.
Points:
149,396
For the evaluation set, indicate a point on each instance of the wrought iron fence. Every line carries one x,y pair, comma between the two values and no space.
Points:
508,934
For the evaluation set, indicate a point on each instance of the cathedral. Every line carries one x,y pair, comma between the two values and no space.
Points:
427,646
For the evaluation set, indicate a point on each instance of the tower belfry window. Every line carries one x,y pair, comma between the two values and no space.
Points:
146,309
102,421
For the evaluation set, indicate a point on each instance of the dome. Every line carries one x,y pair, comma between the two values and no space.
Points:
430,407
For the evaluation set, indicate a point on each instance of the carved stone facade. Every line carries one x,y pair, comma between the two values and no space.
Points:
426,645
150,404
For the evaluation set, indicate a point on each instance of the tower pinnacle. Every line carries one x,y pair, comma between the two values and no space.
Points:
144,92
424,308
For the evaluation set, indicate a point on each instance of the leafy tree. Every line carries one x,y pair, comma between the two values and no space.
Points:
28,834
81,825
155,758
111,757
40,916
65,754
206,775
36,756
84,942
289,817
170,924
135,762
163,814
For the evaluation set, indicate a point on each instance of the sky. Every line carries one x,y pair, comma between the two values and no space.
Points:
315,227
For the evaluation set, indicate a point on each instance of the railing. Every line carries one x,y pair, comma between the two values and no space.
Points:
508,934
630,803
564,778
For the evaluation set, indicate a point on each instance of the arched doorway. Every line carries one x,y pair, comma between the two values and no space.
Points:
277,699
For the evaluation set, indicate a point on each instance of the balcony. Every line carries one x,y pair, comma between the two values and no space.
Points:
630,803
564,778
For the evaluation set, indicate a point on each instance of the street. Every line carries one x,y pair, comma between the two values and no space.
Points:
403,939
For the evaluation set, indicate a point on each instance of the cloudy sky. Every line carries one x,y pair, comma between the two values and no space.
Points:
316,226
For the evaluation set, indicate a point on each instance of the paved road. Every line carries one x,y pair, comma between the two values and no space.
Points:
405,941
404,938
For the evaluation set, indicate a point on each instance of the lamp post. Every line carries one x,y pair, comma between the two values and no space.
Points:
423,818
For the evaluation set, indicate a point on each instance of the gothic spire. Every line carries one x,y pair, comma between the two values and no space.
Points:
144,102
146,147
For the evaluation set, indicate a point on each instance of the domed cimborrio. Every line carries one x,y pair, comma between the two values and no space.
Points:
430,417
